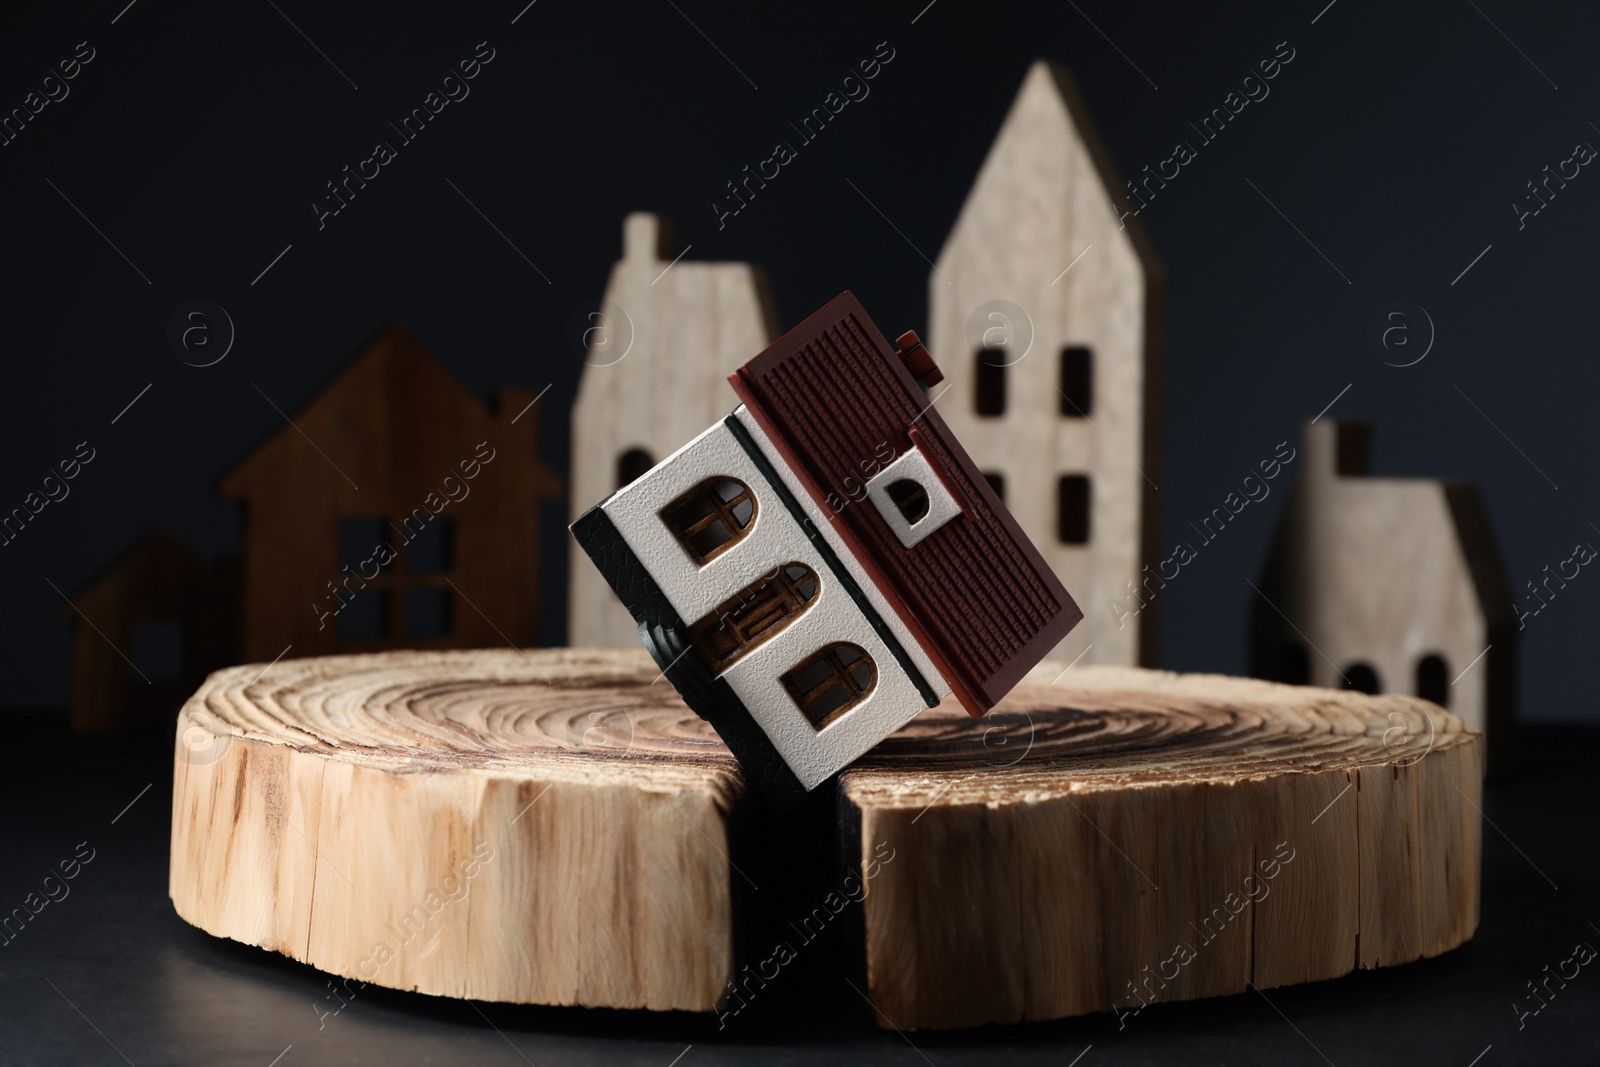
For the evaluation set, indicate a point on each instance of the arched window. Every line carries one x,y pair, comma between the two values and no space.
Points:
831,682
990,395
711,518
1362,678
1433,679
756,613
631,464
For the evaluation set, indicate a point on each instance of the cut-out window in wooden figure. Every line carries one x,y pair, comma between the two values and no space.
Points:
429,611
1433,679
394,579
432,550
757,613
1362,678
711,518
632,464
1072,509
160,650
1077,381
989,395
863,529
831,682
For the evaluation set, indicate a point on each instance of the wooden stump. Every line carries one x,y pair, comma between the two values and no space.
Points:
555,827
1129,836
547,828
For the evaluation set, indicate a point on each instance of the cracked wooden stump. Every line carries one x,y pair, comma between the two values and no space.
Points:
555,827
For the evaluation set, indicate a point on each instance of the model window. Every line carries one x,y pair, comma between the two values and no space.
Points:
711,518
394,578
910,498
1433,679
990,395
1072,509
1361,677
997,482
758,612
831,682
1077,392
631,464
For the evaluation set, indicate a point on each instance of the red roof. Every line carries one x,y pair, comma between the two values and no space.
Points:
975,593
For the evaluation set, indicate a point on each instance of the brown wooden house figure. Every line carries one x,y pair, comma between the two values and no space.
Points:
393,510
147,630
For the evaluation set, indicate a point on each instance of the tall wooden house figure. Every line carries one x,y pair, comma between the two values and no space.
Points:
659,350
393,511
1045,305
824,563
1387,585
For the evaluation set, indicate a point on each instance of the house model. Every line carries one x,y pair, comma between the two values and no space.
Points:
175,614
393,511
1044,306
1387,585
822,564
659,350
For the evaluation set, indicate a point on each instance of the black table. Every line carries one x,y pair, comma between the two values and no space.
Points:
109,974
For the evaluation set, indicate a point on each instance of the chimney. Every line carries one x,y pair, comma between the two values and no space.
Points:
646,238
1336,449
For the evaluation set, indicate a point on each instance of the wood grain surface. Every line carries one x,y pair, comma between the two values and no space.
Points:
555,827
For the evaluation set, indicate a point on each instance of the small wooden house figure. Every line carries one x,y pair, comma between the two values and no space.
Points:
1387,585
393,511
658,354
825,562
1045,306
148,629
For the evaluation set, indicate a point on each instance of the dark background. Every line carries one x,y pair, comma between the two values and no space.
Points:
197,139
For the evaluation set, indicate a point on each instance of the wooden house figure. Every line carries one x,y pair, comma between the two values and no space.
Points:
393,510
658,354
1387,585
824,563
148,629
1045,308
